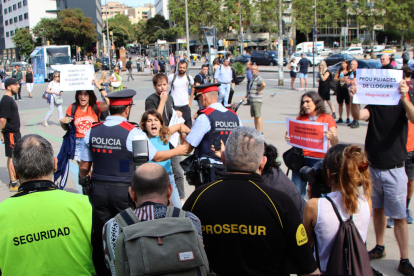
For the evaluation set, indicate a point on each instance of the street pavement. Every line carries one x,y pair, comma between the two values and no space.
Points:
280,102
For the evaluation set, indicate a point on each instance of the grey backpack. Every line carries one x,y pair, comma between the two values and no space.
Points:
165,246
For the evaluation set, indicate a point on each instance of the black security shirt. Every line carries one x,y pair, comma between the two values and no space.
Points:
10,112
249,228
386,138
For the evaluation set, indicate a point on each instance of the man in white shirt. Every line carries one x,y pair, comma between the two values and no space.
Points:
180,84
224,75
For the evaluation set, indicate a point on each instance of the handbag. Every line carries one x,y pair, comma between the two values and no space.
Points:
294,159
190,167
58,99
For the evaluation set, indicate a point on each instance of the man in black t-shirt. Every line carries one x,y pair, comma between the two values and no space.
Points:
198,80
249,228
161,63
385,145
10,126
303,72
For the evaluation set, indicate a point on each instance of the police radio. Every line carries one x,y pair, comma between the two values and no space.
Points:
140,150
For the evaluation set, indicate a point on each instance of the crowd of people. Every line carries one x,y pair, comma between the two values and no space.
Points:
243,202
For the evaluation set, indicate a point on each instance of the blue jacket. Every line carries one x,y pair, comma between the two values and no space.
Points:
67,151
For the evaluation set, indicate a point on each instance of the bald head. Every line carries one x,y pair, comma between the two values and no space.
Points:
385,60
150,178
255,70
354,65
249,64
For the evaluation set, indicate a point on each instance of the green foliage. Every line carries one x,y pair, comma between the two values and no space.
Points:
122,29
303,16
393,34
239,68
369,13
399,16
355,41
145,32
71,27
24,40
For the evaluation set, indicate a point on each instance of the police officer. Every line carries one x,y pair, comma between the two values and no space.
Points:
214,121
108,146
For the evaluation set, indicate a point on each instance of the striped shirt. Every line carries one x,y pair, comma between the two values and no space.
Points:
149,211
254,88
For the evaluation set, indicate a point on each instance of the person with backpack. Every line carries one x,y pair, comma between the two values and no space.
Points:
129,67
180,84
199,79
151,215
346,170
85,111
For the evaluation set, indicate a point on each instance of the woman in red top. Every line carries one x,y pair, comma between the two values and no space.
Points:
84,115
312,108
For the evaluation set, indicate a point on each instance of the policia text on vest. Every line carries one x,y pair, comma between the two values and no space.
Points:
40,236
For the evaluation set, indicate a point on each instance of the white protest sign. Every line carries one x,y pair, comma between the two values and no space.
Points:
77,77
378,86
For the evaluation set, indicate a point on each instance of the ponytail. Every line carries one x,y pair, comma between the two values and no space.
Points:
353,174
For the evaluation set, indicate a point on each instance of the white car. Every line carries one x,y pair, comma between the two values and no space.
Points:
353,51
325,52
309,56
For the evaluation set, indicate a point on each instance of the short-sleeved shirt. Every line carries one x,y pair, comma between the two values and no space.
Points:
162,65
17,75
83,120
179,89
160,146
200,79
54,86
256,229
153,101
322,118
254,88
304,64
155,64
147,211
223,75
387,133
10,112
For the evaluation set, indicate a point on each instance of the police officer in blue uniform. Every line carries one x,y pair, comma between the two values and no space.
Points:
108,146
214,121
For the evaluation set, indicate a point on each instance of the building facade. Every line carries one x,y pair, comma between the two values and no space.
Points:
161,7
140,13
113,8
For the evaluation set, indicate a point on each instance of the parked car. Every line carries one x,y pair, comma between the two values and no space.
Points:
353,51
362,64
309,56
104,62
325,52
333,59
132,51
23,65
397,57
243,59
266,58
388,50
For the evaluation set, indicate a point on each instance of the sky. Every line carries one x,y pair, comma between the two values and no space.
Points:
132,3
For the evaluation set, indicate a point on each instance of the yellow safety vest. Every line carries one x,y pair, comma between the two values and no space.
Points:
46,233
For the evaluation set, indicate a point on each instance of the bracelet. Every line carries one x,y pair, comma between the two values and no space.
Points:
186,133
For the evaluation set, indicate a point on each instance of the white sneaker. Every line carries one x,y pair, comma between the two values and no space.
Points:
45,124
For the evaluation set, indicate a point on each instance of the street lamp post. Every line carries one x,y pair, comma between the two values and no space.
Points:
280,46
241,30
186,30
314,50
109,48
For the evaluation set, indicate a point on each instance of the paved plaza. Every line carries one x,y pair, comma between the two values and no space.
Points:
279,103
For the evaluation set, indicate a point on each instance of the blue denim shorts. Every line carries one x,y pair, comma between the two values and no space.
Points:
303,76
78,149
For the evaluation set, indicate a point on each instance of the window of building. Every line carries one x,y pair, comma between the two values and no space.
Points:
19,5
26,16
7,34
11,21
6,22
20,17
5,11
2,36
14,7
10,9
4,1
15,19
11,33
24,2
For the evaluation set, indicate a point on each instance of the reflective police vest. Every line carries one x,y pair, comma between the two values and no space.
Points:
46,233
111,159
225,122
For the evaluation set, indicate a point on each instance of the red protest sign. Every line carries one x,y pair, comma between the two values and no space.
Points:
307,135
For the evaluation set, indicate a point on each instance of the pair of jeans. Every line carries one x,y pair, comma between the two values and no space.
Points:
309,162
175,197
224,93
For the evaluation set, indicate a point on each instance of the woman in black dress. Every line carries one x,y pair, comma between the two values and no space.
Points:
324,86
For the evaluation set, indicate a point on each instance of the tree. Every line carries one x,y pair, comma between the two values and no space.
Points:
368,14
303,15
48,29
23,40
154,33
399,16
76,28
122,29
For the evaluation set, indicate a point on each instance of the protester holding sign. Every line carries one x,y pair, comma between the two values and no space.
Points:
312,109
385,144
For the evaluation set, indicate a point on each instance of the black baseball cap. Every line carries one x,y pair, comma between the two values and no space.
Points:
9,82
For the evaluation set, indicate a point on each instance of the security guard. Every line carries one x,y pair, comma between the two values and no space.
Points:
51,228
108,146
214,121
